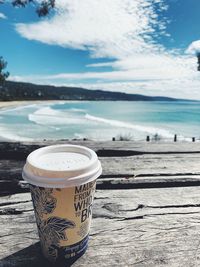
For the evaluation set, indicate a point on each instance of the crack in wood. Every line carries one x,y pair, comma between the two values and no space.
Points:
113,184
133,218
97,233
119,229
142,206
19,233
101,197
13,203
167,174
156,214
10,211
128,153
105,216
148,183
174,206
117,176
13,211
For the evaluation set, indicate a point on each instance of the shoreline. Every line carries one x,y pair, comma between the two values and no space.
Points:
5,104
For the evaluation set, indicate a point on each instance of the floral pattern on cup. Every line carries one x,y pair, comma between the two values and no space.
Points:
51,230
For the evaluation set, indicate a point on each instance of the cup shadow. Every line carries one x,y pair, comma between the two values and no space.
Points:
27,257
30,257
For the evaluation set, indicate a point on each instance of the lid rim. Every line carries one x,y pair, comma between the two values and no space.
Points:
34,174
33,162
69,183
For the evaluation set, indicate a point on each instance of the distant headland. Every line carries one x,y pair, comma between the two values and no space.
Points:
12,91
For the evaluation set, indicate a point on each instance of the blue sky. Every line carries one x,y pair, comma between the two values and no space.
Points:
142,46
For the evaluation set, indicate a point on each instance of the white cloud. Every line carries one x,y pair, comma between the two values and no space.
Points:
115,29
97,65
194,48
143,67
124,31
2,16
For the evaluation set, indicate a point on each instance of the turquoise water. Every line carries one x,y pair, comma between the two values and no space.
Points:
100,120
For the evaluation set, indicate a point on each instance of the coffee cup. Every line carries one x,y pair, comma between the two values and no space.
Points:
62,181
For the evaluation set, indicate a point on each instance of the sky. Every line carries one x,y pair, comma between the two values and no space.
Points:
135,46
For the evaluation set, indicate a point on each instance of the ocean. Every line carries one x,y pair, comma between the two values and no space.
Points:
101,120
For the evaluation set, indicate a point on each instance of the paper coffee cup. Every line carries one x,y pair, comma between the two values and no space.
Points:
62,181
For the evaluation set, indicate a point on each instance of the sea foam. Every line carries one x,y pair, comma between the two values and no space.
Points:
127,125
82,121
7,134
49,116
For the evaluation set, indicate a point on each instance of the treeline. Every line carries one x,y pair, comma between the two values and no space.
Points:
26,91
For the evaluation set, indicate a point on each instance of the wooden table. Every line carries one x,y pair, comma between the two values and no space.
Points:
146,210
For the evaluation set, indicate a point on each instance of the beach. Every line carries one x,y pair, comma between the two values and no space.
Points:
6,104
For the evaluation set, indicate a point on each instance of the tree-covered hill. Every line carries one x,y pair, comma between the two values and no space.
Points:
28,91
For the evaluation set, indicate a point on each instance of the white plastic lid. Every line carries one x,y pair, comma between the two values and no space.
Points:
61,166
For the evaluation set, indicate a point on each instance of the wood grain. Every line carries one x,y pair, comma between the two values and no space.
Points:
125,164
154,222
146,227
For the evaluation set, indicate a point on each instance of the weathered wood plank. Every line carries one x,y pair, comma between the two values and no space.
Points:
149,227
118,148
139,171
6,188
133,165
148,164
152,164
148,170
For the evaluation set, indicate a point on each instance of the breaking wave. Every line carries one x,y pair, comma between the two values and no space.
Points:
131,126
49,116
51,121
7,134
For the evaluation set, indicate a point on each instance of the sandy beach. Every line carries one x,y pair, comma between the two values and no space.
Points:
5,104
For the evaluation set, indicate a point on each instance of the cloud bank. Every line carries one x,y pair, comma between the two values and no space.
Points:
125,31
115,29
